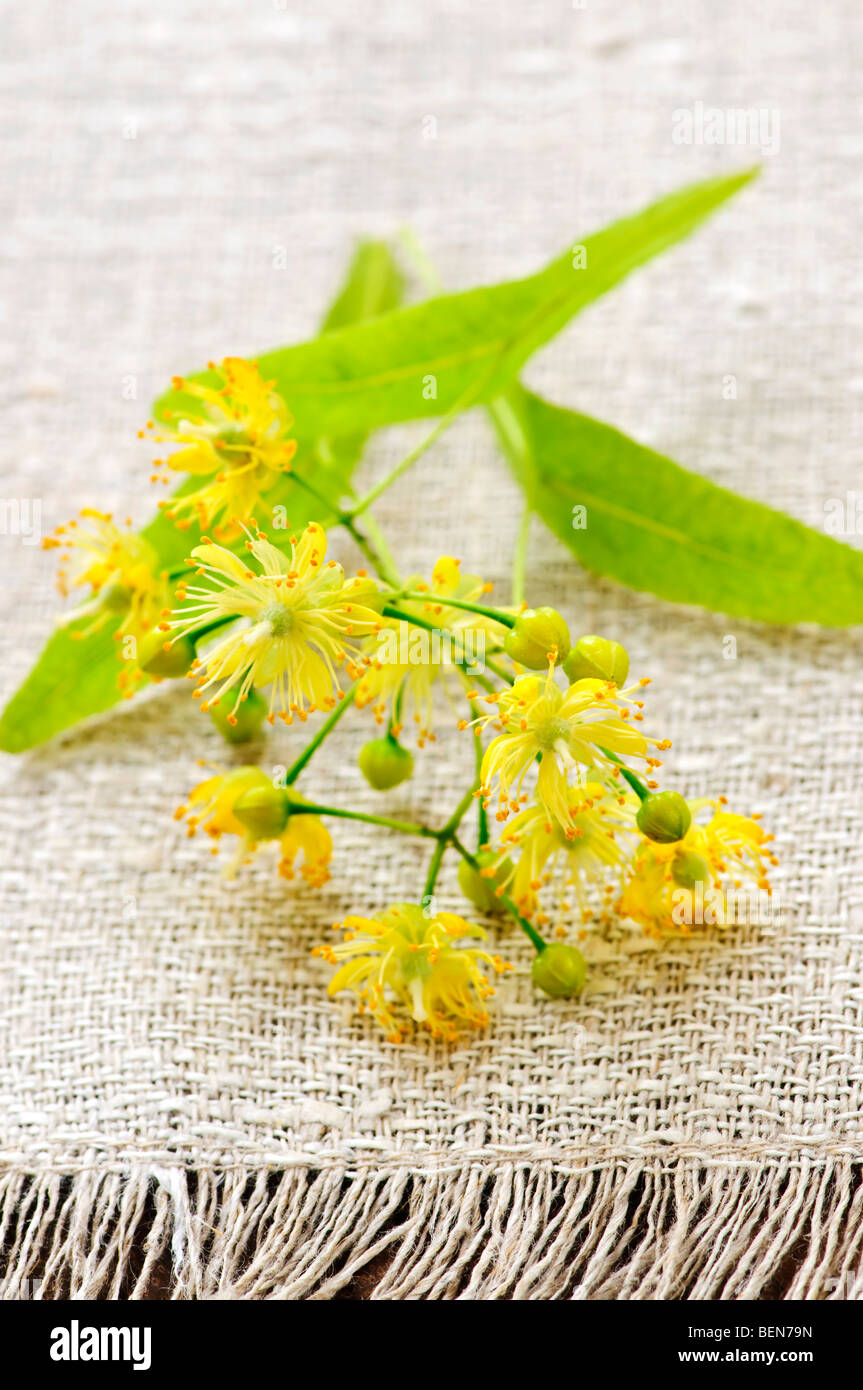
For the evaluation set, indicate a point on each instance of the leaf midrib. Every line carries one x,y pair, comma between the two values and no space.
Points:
641,522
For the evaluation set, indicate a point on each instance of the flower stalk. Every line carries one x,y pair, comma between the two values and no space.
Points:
495,615
529,930
318,738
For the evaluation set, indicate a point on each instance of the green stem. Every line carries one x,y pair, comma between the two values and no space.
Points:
388,822
332,508
505,619
314,744
530,931
458,815
469,397
389,610
380,562
519,560
482,818
387,568
396,712
446,836
378,558
434,870
443,424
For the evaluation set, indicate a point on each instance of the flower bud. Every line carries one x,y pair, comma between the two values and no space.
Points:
664,817
116,597
245,724
384,763
537,632
689,868
264,811
479,889
597,658
160,657
559,970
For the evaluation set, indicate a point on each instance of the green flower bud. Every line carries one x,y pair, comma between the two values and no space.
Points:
537,631
597,658
384,763
559,970
664,817
159,657
264,811
688,868
243,726
116,597
479,889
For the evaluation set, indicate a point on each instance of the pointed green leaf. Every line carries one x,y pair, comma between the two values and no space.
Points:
652,525
465,348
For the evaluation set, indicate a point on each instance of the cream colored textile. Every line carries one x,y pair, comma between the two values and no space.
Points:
161,162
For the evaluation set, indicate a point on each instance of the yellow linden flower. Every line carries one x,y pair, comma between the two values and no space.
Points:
565,730
237,442
404,958
699,880
120,569
302,617
597,842
211,805
406,662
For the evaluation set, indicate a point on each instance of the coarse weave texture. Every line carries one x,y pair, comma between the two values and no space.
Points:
173,1079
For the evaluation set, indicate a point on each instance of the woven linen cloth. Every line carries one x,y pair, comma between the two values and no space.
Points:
185,181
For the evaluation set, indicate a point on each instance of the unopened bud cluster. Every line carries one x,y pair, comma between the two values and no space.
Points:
540,636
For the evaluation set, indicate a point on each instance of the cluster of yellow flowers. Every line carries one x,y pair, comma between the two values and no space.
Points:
234,437
404,668
302,617
409,957
569,773
126,585
302,838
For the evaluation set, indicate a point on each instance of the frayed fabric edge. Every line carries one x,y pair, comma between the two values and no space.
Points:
505,1230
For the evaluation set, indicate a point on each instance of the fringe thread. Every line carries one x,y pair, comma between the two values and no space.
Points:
791,1230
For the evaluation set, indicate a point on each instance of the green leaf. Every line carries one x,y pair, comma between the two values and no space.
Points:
74,679
71,680
373,286
656,527
465,348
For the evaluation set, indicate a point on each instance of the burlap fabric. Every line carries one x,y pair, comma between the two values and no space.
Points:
173,1079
